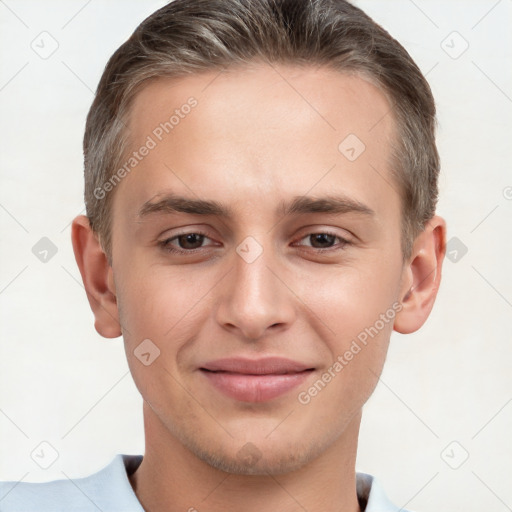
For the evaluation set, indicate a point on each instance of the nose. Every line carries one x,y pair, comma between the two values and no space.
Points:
255,298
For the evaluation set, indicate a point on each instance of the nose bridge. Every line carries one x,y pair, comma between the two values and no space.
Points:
255,298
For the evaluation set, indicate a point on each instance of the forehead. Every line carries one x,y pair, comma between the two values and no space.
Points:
262,131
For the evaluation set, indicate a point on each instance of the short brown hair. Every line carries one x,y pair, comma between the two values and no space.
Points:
188,36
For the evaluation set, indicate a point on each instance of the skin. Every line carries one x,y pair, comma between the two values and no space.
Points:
257,137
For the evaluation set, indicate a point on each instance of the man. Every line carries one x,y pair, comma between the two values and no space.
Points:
261,184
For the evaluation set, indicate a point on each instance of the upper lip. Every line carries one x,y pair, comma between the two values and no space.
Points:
264,366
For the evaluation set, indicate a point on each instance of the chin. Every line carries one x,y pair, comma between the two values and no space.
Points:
250,460
260,457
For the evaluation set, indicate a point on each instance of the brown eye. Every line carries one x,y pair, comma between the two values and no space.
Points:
322,240
185,243
190,240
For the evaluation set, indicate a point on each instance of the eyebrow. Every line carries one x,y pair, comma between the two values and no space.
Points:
334,204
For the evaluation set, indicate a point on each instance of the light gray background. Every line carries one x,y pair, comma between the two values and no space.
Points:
61,383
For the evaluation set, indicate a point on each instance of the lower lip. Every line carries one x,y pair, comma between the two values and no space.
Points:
255,388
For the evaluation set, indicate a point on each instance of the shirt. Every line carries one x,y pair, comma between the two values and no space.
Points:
109,490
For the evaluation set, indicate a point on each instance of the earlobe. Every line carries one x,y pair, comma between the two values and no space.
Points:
422,277
97,276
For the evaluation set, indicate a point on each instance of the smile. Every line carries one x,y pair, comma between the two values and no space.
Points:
255,380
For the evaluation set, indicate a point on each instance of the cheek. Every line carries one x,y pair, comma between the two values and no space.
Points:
356,309
351,300
159,311
163,303
147,293
357,321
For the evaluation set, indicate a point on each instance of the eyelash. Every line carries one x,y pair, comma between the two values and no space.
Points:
165,244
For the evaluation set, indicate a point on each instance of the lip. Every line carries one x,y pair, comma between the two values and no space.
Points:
255,380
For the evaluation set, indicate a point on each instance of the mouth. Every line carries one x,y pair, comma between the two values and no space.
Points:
255,380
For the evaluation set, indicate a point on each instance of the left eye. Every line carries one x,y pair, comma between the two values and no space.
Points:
323,240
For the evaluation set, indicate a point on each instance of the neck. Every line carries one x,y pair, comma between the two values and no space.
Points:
173,479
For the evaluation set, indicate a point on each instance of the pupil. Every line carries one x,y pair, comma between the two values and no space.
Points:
191,239
323,238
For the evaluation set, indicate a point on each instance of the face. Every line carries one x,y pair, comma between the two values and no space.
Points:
256,244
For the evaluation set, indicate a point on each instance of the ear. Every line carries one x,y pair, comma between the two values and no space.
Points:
97,276
422,276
